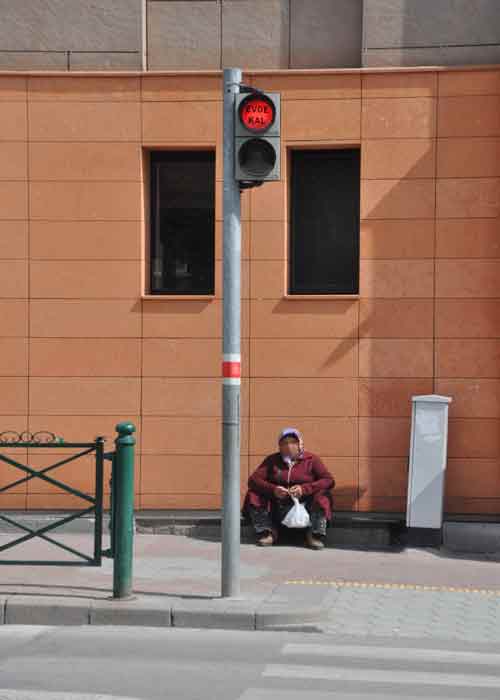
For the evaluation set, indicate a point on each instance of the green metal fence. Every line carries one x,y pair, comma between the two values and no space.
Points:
122,500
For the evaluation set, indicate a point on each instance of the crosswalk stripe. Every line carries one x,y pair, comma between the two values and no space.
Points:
339,673
10,694
437,656
291,694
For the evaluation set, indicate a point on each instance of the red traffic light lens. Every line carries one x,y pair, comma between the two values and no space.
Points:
257,113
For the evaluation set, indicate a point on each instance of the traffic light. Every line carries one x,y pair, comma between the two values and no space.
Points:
257,137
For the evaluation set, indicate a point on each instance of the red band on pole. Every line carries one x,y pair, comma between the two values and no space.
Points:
231,370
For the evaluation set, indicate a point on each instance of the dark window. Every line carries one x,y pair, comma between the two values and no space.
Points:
324,240
182,222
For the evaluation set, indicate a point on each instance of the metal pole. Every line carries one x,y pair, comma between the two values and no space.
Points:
231,351
123,526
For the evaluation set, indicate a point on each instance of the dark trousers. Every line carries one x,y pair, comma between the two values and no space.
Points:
269,517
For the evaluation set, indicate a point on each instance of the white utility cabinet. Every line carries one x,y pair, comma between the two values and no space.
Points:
427,466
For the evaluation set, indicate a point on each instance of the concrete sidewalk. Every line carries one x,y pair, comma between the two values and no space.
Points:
176,582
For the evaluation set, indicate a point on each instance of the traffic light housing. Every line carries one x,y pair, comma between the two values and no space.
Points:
257,121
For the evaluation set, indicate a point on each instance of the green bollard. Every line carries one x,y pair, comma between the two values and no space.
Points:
123,527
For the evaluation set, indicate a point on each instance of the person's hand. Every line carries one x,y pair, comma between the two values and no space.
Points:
280,492
296,491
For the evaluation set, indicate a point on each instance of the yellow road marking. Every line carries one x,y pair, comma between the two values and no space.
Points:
394,586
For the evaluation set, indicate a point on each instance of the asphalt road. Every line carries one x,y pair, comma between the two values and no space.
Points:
76,663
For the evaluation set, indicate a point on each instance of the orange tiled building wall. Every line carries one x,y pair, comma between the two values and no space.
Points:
83,346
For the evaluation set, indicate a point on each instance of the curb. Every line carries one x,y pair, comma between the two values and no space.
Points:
296,606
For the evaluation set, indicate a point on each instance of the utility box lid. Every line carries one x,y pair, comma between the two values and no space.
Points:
432,398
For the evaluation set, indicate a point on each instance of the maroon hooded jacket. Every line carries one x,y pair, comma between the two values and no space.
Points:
309,472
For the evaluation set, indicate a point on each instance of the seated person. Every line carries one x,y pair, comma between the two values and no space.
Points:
289,472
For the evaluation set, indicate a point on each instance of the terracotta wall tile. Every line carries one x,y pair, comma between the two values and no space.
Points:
474,438
14,499
13,357
186,398
395,358
180,87
310,87
383,477
85,357
13,279
398,118
399,84
85,200
305,120
336,437
397,239
78,428
14,121
472,506
397,199
469,116
13,397
384,437
469,157
164,501
465,198
53,501
84,121
467,238
13,88
14,315
79,474
182,318
485,484
8,475
84,279
13,160
85,318
468,358
86,396
84,88
298,397
267,240
185,357
181,474
390,398
267,279
397,158
182,436
372,504
304,358
396,318
396,278
472,398
85,161
174,122
14,200
345,472
17,423
468,278
13,239
268,203
299,318
481,82
467,318
86,240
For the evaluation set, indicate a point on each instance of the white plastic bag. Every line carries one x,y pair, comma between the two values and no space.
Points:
297,516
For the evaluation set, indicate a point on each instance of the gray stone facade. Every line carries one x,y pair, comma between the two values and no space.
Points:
431,32
210,34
